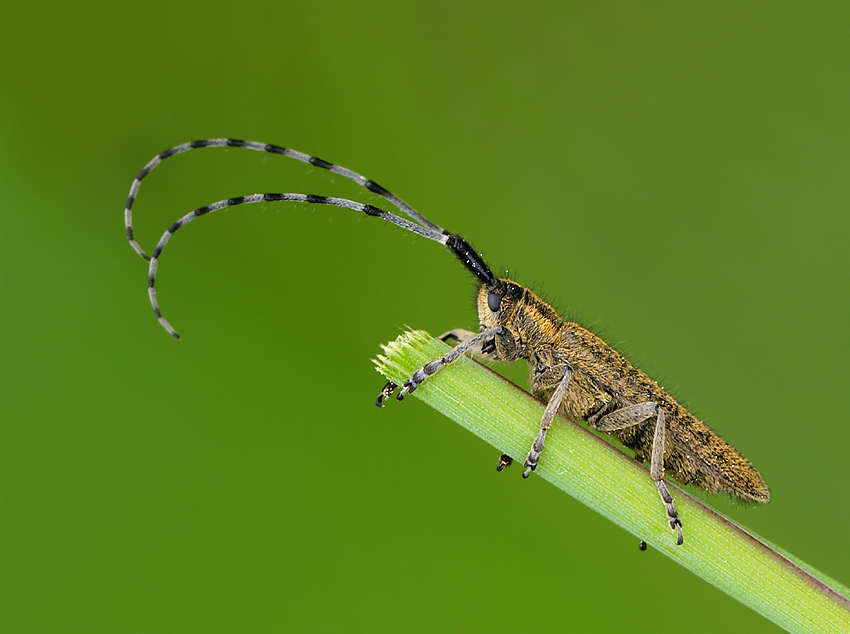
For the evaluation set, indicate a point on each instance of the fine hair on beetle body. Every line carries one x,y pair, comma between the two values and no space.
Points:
574,371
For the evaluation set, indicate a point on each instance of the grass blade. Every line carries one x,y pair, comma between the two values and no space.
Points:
781,588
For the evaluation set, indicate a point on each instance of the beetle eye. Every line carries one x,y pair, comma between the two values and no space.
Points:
493,301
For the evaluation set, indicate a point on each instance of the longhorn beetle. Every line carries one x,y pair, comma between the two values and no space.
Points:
571,369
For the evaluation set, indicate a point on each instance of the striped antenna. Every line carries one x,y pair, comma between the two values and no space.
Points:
418,224
371,185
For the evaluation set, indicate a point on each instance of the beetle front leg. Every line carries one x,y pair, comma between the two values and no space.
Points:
432,367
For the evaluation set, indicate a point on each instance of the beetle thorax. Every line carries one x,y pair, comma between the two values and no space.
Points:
529,322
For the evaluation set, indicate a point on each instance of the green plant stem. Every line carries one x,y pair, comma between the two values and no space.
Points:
789,593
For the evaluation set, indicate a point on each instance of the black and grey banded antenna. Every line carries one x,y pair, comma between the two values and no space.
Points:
420,225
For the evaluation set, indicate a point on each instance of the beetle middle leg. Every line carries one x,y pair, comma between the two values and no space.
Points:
546,422
487,350
635,415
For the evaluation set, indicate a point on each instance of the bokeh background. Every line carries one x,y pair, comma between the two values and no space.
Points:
673,174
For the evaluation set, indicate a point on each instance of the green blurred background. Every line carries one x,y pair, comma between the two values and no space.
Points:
673,174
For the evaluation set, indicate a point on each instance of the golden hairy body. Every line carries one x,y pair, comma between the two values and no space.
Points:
604,381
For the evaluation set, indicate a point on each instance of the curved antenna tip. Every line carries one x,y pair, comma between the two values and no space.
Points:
164,323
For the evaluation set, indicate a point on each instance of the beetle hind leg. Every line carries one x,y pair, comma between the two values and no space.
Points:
635,415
